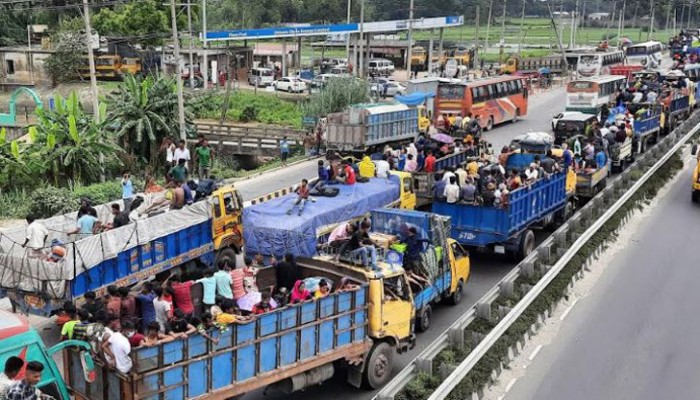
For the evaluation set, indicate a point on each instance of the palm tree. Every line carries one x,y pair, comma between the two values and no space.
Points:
142,112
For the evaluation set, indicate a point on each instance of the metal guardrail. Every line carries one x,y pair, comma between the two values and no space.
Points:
455,334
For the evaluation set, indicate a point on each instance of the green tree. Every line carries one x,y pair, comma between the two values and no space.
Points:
337,95
147,21
68,56
142,112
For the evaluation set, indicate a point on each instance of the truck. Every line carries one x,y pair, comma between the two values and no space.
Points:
444,263
591,181
695,189
510,229
358,329
424,181
676,110
268,230
369,127
208,231
626,70
112,67
647,127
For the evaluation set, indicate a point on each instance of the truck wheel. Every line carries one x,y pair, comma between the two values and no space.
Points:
527,244
456,297
489,124
380,362
227,255
424,318
695,198
517,116
563,215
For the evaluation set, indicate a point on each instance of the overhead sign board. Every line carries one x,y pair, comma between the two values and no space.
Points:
322,30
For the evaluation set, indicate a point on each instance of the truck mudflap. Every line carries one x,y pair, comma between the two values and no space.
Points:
275,346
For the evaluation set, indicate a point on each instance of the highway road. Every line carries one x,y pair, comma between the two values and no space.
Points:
634,335
487,270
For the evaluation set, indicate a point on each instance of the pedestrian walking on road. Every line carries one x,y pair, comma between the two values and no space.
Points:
284,151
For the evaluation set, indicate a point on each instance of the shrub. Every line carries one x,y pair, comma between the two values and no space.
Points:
49,201
249,114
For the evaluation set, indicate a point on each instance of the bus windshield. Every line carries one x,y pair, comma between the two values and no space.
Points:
451,92
580,86
637,51
588,59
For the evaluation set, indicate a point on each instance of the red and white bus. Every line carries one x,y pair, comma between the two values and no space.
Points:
495,100
598,63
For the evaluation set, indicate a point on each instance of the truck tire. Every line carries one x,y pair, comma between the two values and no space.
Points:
489,124
227,255
424,315
527,244
564,214
380,362
516,118
456,297
695,197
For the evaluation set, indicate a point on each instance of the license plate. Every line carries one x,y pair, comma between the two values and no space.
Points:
499,249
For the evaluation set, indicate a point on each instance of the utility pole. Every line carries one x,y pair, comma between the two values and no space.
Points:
361,67
574,31
93,78
409,49
668,16
189,29
205,67
690,8
556,32
621,24
476,53
651,21
178,76
521,33
503,23
347,38
488,26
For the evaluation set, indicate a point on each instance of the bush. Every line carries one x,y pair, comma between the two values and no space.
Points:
49,201
249,114
269,109
101,193
14,204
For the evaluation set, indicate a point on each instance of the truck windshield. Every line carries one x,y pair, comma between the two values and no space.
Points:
569,128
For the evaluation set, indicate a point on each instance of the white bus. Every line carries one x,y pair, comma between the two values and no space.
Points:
647,54
588,95
598,63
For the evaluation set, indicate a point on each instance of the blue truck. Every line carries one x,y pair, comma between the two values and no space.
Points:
676,111
443,269
268,230
424,181
509,229
206,232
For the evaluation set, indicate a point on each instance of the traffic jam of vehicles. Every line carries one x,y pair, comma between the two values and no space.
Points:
221,298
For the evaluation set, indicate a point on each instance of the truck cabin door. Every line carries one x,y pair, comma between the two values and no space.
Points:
398,310
227,213
459,258
408,197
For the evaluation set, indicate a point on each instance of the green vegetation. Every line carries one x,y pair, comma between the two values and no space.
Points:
336,96
146,21
245,106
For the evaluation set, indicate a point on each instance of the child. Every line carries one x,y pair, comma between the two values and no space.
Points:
302,197
323,289
230,315
263,306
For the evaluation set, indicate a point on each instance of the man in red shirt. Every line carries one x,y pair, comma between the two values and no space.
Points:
302,197
429,165
181,295
348,176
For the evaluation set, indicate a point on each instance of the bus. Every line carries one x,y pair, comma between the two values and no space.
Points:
588,95
495,99
647,54
598,63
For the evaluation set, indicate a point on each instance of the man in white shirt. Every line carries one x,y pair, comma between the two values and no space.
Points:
382,167
651,97
532,173
36,237
448,174
120,348
182,152
452,190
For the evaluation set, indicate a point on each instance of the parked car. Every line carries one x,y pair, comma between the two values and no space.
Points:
290,84
261,76
387,86
380,67
320,81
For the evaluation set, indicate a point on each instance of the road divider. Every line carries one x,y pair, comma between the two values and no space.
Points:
496,328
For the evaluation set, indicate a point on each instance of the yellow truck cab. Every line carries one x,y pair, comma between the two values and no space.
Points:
423,119
227,226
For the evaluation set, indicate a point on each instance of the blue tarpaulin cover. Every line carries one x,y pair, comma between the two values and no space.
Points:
268,230
414,99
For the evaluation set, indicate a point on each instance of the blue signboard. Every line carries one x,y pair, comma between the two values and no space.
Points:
283,31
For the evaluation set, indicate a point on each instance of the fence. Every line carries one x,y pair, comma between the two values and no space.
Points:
248,140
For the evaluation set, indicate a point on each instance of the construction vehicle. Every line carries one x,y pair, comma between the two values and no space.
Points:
419,58
112,67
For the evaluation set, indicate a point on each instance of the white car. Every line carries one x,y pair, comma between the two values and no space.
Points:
290,84
562,115
388,86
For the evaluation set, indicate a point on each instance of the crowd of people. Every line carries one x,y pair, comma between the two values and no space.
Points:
19,380
156,312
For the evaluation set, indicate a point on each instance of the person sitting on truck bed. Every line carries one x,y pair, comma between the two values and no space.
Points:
366,167
302,192
347,175
532,173
154,336
411,257
178,198
263,306
361,245
299,293
135,338
230,315
341,234
203,324
180,326
488,196
286,272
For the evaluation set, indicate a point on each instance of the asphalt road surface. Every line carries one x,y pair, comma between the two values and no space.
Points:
635,335
487,270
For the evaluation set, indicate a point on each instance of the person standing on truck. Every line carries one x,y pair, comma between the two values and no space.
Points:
114,301
127,190
284,150
223,281
67,330
121,218
35,238
452,191
163,309
128,305
80,329
181,295
86,225
286,272
117,349
145,305
439,187
13,366
26,388
208,288
601,160
179,173
411,164
429,165
92,303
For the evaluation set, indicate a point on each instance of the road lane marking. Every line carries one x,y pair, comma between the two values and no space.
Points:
568,310
534,353
511,384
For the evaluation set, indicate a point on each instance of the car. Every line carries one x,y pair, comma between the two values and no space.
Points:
562,115
290,84
388,86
